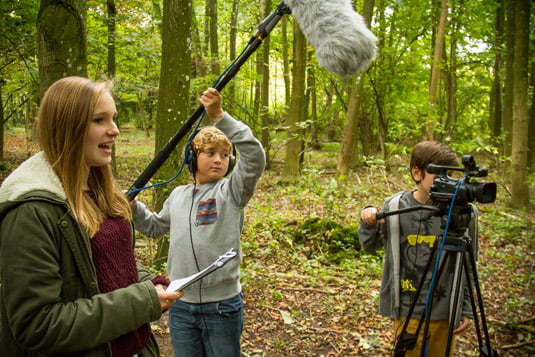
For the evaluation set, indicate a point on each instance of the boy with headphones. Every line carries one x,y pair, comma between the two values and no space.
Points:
205,220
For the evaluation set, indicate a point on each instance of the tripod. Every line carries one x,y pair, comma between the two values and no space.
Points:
458,249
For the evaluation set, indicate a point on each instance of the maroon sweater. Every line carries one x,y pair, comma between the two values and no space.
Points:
116,268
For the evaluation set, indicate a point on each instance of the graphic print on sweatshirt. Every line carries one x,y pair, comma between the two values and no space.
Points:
207,212
416,248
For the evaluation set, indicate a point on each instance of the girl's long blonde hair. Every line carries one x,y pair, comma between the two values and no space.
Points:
65,114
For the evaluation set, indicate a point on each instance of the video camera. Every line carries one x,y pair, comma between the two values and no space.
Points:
444,187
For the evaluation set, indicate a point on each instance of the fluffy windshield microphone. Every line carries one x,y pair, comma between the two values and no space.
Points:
343,43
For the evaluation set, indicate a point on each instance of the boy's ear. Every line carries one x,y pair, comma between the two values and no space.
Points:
417,174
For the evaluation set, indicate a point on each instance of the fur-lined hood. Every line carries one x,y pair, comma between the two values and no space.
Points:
34,174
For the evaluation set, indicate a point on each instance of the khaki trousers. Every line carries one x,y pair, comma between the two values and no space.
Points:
438,337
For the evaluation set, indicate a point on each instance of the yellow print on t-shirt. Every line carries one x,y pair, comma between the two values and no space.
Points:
415,238
406,285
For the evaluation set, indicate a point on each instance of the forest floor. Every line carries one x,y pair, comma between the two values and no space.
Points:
300,303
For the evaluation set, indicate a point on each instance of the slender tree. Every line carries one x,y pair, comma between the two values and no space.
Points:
294,116
285,61
509,76
450,73
519,159
198,49
347,150
435,70
259,67
349,156
212,25
112,14
313,100
232,50
531,123
496,97
264,91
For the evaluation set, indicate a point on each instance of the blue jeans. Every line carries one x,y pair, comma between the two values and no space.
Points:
211,329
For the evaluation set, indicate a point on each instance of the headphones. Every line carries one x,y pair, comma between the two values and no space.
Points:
191,157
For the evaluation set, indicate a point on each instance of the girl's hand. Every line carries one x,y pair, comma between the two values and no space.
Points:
167,299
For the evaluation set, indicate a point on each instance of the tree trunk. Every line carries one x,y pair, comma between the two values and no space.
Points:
141,115
264,91
112,13
285,61
495,105
349,155
531,124
312,99
211,17
2,81
173,97
520,187
232,52
432,119
29,120
290,171
509,76
259,68
451,88
350,130
61,26
197,49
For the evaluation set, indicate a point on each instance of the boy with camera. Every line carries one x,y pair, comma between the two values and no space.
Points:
408,241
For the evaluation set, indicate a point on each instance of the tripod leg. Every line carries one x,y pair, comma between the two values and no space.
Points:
486,350
455,293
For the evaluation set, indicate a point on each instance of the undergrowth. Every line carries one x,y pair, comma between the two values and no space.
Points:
308,230
302,261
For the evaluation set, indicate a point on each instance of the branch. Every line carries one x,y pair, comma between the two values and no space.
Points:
516,345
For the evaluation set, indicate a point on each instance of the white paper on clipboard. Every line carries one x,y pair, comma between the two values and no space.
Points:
183,283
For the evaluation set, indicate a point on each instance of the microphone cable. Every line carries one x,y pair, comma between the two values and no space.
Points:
197,264
182,164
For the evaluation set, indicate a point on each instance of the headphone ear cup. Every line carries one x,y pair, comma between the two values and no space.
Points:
191,160
231,164
231,161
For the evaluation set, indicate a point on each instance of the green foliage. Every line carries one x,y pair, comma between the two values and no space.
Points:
5,167
396,86
147,253
330,147
137,51
18,51
321,236
314,238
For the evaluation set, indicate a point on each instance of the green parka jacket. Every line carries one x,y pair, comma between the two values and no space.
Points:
49,297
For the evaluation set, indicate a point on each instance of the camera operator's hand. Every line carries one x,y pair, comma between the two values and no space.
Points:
369,216
463,325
